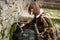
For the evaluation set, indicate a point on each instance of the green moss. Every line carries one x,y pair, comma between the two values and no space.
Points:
12,30
56,21
57,15
49,7
51,14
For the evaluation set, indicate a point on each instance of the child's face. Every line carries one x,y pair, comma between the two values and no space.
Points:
35,9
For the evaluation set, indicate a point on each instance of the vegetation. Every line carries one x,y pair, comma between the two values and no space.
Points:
12,30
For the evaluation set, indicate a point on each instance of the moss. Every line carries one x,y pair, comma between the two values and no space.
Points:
57,15
3,33
12,30
58,8
0,9
56,21
0,12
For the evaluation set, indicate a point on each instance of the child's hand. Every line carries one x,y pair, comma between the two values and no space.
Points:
22,25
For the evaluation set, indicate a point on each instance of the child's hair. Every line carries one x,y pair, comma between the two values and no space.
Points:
31,6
